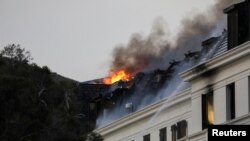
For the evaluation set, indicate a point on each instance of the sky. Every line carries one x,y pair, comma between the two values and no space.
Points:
75,38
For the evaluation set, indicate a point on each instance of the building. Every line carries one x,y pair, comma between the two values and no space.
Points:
219,93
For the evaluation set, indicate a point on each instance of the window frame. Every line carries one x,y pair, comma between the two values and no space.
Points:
163,134
230,101
206,99
146,137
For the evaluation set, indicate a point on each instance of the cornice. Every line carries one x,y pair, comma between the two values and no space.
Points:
144,113
216,62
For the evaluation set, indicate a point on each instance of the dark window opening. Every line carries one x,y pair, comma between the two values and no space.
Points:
233,29
181,129
173,130
146,137
230,101
238,24
207,110
243,35
163,134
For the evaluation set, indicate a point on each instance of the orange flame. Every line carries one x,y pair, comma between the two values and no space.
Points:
117,76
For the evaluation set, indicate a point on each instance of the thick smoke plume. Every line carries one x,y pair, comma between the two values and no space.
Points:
142,54
139,52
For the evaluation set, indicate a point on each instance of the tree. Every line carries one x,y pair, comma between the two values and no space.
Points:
16,53
38,105
94,137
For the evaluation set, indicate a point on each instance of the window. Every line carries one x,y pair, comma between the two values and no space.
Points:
207,110
146,137
181,129
163,134
173,130
230,101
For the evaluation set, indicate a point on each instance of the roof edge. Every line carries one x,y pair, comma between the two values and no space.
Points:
218,61
233,6
143,113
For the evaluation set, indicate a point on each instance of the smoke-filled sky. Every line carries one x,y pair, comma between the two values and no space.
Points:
76,38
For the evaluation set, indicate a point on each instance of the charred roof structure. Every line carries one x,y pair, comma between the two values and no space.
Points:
104,99
146,87
112,101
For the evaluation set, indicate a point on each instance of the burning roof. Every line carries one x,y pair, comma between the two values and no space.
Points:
142,73
146,87
115,76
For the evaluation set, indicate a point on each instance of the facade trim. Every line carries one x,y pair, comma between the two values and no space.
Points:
216,62
145,112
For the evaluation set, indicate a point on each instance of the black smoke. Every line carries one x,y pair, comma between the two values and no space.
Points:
156,50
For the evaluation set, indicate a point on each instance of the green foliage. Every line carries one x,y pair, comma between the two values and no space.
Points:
34,105
16,53
92,136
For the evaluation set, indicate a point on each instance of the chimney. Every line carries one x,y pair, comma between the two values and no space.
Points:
238,24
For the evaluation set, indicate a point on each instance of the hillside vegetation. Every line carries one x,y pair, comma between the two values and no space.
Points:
36,104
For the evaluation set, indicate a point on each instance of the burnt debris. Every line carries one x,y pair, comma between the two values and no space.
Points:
125,94
190,55
101,96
